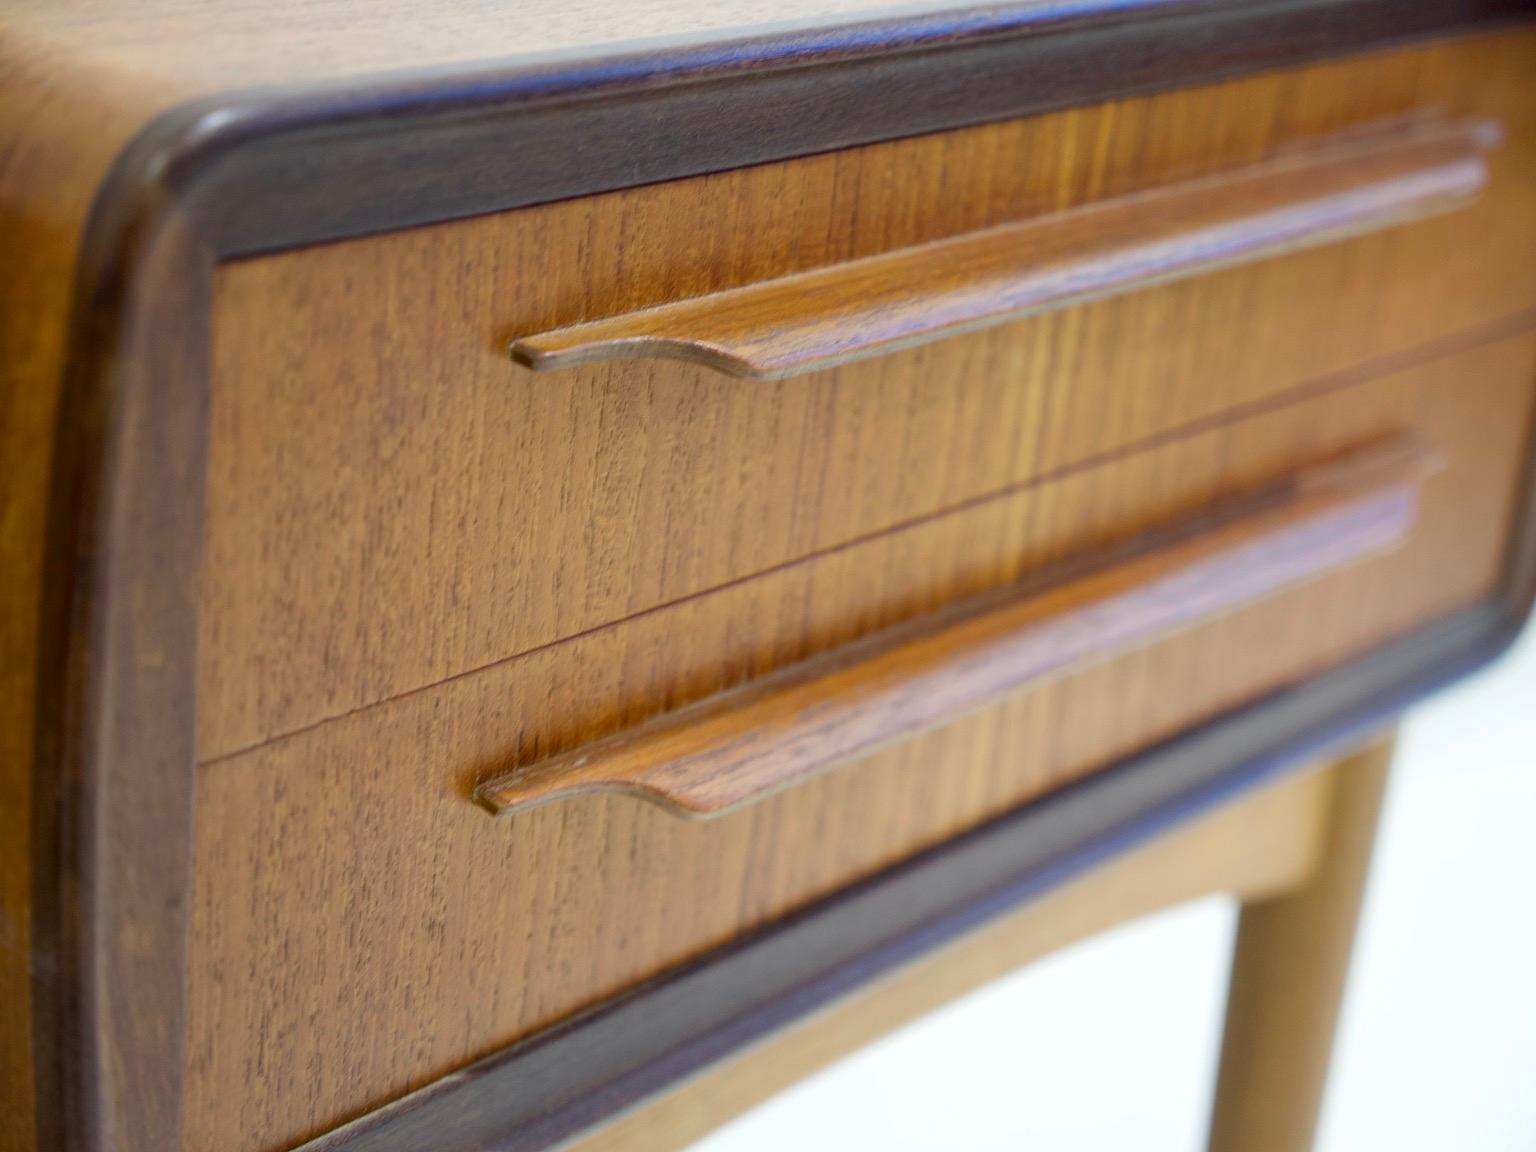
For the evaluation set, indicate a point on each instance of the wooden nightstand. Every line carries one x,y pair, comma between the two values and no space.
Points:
555,581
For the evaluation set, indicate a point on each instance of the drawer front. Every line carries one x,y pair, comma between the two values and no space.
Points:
360,927
391,503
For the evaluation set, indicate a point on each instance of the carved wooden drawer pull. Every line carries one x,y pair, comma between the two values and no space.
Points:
750,741
831,315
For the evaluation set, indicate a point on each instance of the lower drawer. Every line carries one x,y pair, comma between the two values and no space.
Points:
360,927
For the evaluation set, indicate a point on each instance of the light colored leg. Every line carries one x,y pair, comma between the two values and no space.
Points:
1264,843
1288,975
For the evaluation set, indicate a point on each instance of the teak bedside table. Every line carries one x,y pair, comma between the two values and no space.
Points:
566,564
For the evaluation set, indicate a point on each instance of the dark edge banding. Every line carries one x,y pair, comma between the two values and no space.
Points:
265,171
125,510
114,766
260,172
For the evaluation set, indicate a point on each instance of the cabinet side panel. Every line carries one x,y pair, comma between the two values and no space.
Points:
49,168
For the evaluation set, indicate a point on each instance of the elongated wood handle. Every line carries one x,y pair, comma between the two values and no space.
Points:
818,319
751,741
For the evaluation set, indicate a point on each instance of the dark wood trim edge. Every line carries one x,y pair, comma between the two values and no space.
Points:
116,701
592,1067
259,172
264,171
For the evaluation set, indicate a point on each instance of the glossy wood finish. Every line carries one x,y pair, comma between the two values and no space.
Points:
1260,846
1288,975
641,484
369,881
775,731
105,376
467,115
536,1093
814,320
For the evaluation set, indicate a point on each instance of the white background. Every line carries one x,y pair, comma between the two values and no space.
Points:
1112,1044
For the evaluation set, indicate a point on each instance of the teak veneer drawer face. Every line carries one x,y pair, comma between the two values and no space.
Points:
536,571
392,503
431,575
343,875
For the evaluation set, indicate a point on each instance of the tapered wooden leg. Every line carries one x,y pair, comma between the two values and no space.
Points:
1288,974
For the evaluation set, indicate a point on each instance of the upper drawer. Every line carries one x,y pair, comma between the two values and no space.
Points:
391,502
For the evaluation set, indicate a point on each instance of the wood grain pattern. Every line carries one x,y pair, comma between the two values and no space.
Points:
127,112
1288,973
1262,845
369,888
777,730
267,163
650,482
56,432
647,1042
46,184
260,170
814,320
